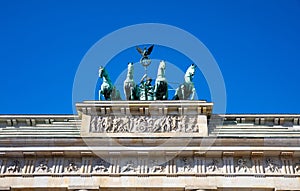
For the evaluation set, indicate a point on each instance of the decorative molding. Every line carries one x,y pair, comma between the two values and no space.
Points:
144,164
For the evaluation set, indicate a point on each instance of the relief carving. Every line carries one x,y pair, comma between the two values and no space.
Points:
156,167
213,166
14,167
142,124
272,166
182,121
297,167
72,167
185,165
43,167
129,167
148,124
192,125
93,124
106,124
101,166
242,166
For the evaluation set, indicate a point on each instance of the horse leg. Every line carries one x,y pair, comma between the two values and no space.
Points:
155,91
115,94
193,94
182,87
118,95
134,93
176,97
165,96
108,94
99,94
103,93
125,88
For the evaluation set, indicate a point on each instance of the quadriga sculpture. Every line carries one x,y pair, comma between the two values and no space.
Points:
145,91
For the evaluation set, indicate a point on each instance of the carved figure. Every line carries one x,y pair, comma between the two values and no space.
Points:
156,168
182,122
93,124
167,124
107,123
186,165
72,167
161,85
159,124
123,125
129,167
213,166
43,167
149,121
272,166
108,90
134,122
101,166
14,167
100,127
297,167
242,165
142,127
115,124
186,91
191,125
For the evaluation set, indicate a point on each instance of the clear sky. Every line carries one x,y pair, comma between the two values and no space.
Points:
255,43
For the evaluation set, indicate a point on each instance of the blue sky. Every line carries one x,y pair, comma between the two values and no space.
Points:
255,43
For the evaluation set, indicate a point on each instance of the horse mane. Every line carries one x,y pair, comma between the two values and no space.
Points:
105,75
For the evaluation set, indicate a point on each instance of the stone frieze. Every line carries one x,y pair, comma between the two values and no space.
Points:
180,165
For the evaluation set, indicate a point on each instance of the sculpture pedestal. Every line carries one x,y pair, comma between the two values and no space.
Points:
144,118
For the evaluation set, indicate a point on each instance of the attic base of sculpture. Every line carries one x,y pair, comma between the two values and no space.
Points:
144,118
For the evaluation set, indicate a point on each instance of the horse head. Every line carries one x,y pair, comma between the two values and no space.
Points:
161,85
162,65
101,71
161,70
130,70
190,72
